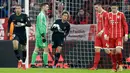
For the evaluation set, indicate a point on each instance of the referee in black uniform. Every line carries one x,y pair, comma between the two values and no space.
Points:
20,21
60,28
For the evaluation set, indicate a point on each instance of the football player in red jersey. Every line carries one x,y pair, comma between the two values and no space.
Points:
116,30
100,42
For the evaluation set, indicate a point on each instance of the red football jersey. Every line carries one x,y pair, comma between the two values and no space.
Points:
117,26
102,20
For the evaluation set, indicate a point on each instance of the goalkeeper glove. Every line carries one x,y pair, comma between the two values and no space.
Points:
43,38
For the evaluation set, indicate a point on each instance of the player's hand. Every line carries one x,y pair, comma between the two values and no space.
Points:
8,34
126,37
43,37
43,40
100,33
54,27
106,37
11,35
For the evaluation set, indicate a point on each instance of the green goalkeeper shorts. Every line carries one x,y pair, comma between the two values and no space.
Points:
39,44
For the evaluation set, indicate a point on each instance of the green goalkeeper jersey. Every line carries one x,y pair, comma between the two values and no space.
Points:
40,29
41,24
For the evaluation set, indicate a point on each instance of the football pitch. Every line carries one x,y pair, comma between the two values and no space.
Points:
43,70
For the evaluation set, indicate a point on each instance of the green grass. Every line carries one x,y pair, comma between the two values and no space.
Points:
42,70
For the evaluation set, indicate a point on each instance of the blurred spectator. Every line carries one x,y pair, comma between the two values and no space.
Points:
88,6
82,17
71,20
13,4
127,14
59,9
127,1
4,10
32,2
107,8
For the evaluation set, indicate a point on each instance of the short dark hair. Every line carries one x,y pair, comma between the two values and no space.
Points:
43,4
97,3
114,4
81,9
18,5
66,12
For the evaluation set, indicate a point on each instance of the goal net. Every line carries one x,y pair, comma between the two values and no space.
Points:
78,50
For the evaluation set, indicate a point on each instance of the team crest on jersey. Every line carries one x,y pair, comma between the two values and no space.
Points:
21,19
111,21
64,27
118,16
100,16
119,43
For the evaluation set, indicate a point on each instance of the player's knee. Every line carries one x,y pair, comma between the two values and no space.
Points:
107,51
46,50
97,49
15,44
36,50
59,49
118,50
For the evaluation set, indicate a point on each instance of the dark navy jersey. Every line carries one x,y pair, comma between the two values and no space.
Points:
19,19
60,28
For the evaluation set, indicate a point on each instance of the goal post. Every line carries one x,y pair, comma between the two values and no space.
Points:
27,31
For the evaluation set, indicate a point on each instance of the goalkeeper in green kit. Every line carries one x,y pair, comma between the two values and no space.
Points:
40,35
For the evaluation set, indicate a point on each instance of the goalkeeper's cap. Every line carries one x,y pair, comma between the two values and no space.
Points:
66,12
114,4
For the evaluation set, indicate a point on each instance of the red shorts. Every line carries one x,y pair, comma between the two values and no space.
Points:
116,42
100,42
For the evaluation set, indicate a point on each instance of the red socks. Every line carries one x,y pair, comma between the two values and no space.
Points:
114,60
119,58
96,59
